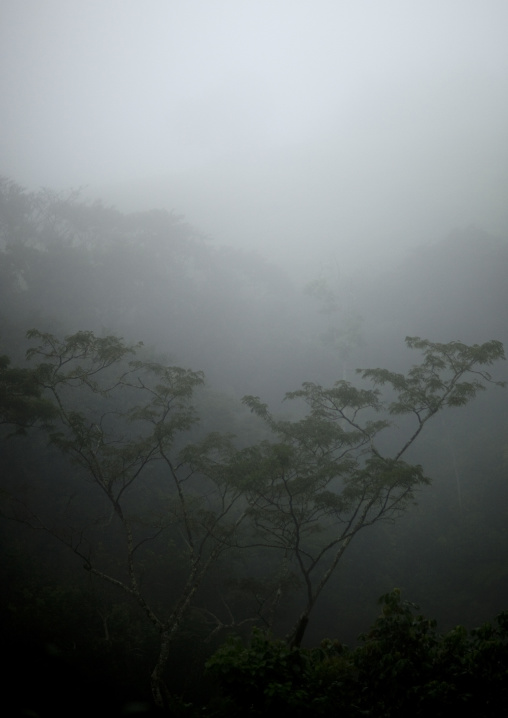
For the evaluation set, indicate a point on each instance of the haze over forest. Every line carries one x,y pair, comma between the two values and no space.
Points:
342,129
273,194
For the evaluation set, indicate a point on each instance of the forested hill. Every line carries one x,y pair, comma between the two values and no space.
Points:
71,264
68,265
148,276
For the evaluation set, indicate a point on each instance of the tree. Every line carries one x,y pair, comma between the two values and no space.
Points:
305,493
324,478
21,402
402,667
121,420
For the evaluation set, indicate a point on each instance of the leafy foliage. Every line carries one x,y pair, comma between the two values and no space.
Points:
306,493
121,420
265,676
21,402
402,667
324,478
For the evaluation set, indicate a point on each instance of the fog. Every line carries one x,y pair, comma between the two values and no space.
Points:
333,179
302,130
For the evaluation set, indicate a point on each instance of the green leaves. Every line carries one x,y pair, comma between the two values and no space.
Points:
265,675
77,359
114,414
437,381
81,345
323,478
402,667
21,401
304,493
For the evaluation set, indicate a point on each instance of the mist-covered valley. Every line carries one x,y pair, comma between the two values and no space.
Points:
253,298
70,265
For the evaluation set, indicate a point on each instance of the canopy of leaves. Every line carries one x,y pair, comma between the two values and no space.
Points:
402,667
21,401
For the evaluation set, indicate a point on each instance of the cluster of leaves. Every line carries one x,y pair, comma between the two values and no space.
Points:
402,667
21,402
122,421
325,478
302,496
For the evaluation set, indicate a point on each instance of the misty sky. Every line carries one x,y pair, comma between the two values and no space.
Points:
307,130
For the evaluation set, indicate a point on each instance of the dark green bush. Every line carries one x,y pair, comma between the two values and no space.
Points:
402,667
266,675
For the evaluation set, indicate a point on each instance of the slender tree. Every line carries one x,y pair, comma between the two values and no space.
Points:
121,420
324,478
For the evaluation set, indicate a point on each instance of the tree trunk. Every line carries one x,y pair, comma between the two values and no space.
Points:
295,638
159,691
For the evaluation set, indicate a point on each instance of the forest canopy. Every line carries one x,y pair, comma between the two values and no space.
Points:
195,514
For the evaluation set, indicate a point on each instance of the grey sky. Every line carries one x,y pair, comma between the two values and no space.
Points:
300,128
